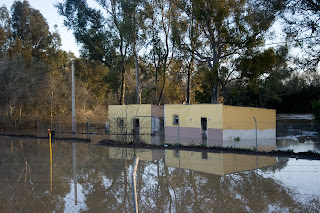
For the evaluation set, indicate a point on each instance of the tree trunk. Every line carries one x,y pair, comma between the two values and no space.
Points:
224,91
163,83
189,78
123,70
214,78
165,56
123,83
188,87
214,96
136,64
138,83
156,85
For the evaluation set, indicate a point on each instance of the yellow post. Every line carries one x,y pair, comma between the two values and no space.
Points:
49,131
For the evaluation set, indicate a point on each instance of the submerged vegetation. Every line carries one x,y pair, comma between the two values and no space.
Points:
158,52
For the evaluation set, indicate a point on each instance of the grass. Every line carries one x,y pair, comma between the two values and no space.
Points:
237,139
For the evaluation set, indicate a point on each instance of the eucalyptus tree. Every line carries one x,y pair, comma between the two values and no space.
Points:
5,30
228,28
162,15
186,32
111,37
302,28
262,73
30,31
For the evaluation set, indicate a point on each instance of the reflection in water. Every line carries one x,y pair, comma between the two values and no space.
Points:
74,168
97,179
296,146
267,144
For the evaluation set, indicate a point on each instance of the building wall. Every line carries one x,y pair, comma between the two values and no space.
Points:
224,123
238,123
190,120
127,113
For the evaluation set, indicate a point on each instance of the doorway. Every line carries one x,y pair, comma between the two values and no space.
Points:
204,134
136,126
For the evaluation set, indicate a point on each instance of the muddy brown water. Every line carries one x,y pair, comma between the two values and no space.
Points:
91,178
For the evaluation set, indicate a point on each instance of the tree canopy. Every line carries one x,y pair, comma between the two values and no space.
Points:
159,51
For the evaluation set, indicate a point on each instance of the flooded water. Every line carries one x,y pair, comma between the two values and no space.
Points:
298,132
88,177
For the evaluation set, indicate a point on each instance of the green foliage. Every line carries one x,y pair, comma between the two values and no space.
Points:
302,28
29,27
35,74
180,51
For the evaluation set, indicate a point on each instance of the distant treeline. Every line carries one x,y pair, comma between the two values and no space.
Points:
156,52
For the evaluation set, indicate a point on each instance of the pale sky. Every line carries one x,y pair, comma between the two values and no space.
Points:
49,12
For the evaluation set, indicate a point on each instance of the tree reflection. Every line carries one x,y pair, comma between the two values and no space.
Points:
104,182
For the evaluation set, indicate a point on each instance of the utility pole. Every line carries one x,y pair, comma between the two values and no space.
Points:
73,101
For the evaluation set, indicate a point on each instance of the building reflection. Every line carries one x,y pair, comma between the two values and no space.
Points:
211,163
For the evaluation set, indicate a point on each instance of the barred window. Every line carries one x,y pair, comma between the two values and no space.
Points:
175,120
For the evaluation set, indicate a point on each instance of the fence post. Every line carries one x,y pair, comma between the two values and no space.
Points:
255,121
134,190
88,124
178,133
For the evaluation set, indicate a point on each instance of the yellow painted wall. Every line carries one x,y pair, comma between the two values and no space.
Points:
190,115
218,164
128,112
242,118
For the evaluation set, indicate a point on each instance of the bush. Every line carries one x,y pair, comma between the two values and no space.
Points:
316,109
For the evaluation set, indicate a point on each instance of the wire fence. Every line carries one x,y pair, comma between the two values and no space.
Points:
300,135
60,129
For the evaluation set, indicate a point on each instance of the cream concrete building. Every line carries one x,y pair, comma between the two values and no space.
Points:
218,124
135,119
